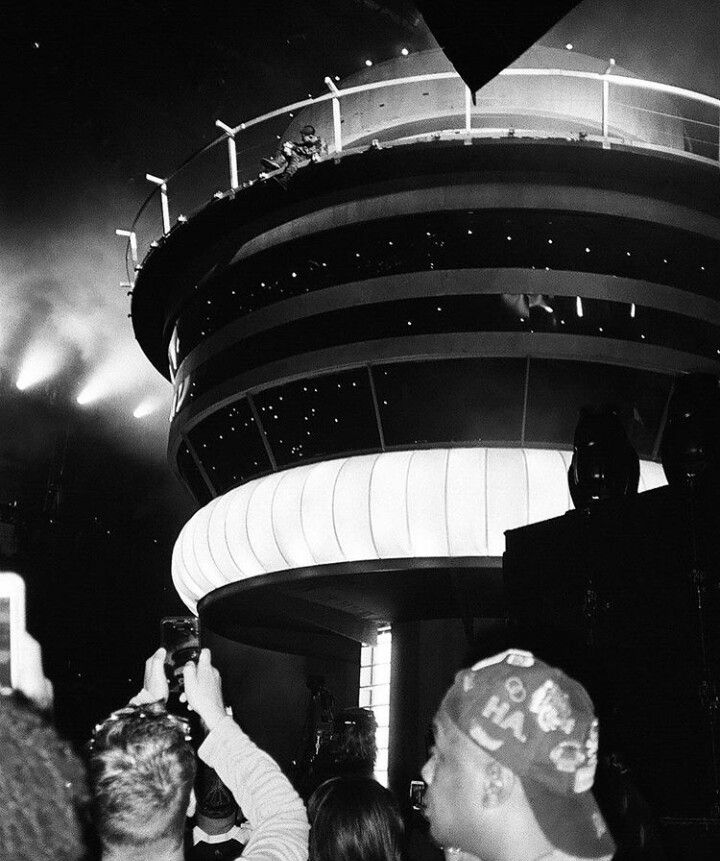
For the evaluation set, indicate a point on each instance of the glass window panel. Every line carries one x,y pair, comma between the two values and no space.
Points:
380,696
365,677
558,390
454,400
381,674
382,737
318,417
229,445
382,715
191,475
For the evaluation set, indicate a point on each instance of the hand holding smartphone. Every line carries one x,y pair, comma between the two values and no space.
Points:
181,639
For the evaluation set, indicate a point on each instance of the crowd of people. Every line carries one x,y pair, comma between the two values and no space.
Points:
509,777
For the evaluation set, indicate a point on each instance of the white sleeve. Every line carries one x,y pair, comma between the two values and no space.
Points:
273,809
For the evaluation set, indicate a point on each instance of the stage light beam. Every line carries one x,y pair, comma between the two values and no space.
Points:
38,365
146,408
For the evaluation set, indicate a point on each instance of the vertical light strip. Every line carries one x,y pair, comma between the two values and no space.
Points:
375,694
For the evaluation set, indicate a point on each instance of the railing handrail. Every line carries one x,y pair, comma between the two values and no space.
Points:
619,80
335,93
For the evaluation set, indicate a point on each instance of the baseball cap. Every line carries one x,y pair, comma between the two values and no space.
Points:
539,723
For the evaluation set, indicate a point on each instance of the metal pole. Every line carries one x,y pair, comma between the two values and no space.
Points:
468,109
606,104
232,152
133,243
337,120
163,200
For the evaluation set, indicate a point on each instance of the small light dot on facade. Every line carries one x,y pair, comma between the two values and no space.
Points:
404,52
368,63
337,77
587,250
549,241
578,306
632,309
569,46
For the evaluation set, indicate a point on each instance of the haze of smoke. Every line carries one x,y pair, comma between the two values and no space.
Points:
663,40
61,291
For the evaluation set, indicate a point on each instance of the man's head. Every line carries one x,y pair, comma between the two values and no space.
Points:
515,753
142,769
307,132
217,810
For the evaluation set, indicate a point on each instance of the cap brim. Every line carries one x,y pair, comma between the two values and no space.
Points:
572,824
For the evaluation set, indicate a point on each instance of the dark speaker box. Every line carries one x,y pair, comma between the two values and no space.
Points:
625,597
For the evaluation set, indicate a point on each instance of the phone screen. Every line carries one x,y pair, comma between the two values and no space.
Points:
5,680
181,640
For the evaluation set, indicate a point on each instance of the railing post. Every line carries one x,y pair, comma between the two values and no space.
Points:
163,200
232,152
133,243
468,109
337,120
606,105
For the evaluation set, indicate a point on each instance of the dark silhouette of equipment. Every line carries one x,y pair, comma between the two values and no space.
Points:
604,464
481,39
625,595
690,448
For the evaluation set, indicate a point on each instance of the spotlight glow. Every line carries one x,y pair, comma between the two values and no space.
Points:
93,391
146,408
569,46
368,62
39,364
404,52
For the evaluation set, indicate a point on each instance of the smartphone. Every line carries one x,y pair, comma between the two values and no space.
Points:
12,624
417,794
181,639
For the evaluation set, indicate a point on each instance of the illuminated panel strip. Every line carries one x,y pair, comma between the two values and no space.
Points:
375,694
399,504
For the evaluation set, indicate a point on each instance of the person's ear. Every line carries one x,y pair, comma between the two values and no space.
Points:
192,804
497,785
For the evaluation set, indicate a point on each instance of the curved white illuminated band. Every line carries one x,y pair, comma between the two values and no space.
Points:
401,504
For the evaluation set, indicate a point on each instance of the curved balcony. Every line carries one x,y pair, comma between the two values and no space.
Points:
572,100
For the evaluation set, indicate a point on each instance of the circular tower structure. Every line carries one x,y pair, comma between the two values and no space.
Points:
378,364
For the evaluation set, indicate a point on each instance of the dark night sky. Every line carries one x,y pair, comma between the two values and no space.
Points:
96,94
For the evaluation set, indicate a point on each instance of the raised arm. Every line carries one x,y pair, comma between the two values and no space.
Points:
274,810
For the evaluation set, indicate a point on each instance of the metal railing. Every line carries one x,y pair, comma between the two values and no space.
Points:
680,121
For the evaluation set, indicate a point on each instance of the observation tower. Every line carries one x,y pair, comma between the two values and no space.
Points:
378,365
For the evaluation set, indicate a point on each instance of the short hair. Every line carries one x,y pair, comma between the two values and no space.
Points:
307,130
353,818
43,788
353,747
142,768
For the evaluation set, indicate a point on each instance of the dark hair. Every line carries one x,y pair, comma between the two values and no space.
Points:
353,818
42,788
142,769
352,747
307,130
